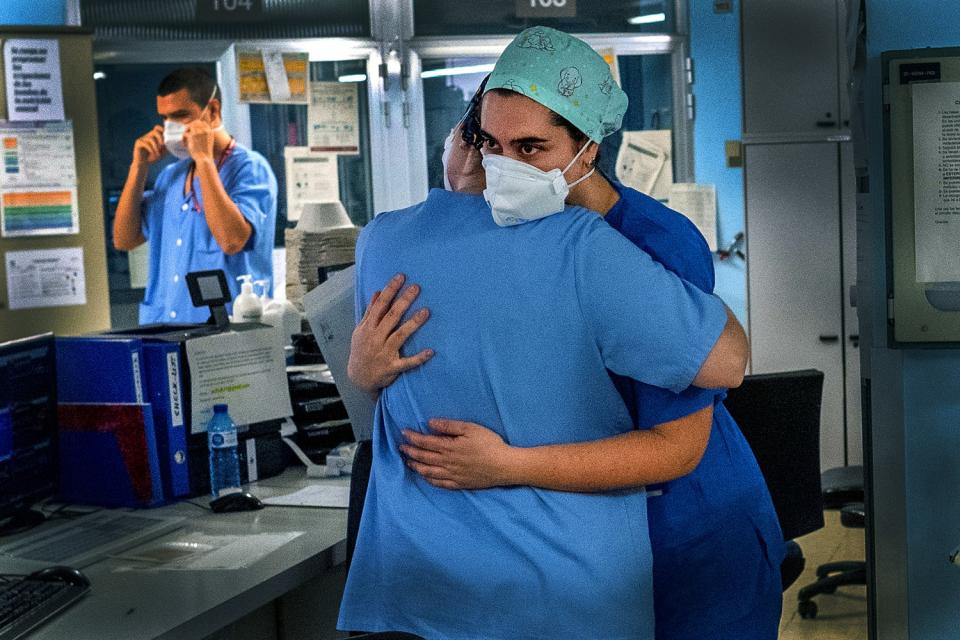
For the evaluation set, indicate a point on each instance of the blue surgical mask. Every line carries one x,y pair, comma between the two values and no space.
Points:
518,192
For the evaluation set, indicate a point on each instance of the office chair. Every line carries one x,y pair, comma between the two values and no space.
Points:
779,414
843,490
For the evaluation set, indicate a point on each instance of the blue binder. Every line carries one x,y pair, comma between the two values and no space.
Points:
108,455
100,369
164,381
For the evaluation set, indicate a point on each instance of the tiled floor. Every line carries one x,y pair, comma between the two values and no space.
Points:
842,615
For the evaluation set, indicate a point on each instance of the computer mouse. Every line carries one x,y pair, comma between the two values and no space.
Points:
60,574
237,501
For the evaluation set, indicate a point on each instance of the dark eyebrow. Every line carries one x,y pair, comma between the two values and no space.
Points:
526,140
530,140
177,114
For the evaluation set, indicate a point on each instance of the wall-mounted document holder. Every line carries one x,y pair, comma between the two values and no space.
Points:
921,95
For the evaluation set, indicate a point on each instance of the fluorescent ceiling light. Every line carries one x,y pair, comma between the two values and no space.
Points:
356,77
457,71
648,18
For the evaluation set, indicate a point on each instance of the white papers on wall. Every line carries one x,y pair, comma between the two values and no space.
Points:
34,90
279,273
311,177
936,175
333,118
38,185
645,162
139,262
245,370
698,202
45,278
276,73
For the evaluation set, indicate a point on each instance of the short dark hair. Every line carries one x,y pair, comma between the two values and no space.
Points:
196,80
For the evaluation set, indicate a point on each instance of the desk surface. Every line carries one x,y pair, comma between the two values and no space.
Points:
193,604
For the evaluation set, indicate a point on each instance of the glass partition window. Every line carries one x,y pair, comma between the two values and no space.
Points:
276,126
448,85
461,17
126,109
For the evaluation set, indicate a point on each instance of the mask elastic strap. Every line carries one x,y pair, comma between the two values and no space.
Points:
581,179
575,158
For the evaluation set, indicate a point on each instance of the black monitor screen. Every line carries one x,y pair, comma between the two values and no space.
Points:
28,422
210,287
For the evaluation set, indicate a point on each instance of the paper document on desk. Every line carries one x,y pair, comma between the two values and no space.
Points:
330,312
244,370
202,552
316,495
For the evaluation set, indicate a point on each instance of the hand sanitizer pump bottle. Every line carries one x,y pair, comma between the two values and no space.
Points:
247,306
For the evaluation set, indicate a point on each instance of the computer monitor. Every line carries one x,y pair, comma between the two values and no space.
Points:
209,289
28,427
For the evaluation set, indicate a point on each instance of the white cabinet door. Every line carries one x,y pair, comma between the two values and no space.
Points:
793,267
790,67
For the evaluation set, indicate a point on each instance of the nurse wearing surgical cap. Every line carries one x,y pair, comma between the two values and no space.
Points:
715,539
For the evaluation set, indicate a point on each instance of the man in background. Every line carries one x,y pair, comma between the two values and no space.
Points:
214,208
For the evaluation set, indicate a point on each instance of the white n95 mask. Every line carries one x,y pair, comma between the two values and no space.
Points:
518,192
173,133
173,139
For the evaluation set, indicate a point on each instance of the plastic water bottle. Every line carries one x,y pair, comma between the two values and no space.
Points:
224,460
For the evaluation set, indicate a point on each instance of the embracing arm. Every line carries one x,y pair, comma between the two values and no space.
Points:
464,455
375,359
727,361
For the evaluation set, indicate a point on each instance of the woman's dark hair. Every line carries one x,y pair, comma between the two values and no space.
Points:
579,137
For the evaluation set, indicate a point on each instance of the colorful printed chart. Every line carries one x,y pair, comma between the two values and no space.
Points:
38,183
27,213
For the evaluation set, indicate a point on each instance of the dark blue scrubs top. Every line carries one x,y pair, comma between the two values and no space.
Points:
717,544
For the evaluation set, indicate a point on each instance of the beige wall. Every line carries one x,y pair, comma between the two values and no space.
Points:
76,59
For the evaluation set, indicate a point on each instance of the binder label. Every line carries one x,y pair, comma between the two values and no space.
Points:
137,384
173,382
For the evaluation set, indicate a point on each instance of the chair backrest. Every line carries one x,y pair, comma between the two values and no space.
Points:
779,414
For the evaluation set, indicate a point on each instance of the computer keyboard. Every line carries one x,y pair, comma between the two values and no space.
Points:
26,602
91,538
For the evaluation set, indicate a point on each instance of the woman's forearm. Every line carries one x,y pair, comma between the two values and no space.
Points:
666,452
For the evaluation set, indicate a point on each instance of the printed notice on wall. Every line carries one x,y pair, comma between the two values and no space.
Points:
45,278
311,177
698,202
936,175
262,74
333,121
645,162
34,91
245,370
38,185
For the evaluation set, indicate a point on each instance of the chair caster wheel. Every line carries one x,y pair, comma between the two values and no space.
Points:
807,609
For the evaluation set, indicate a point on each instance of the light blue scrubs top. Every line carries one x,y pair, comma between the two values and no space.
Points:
181,241
525,322
717,543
